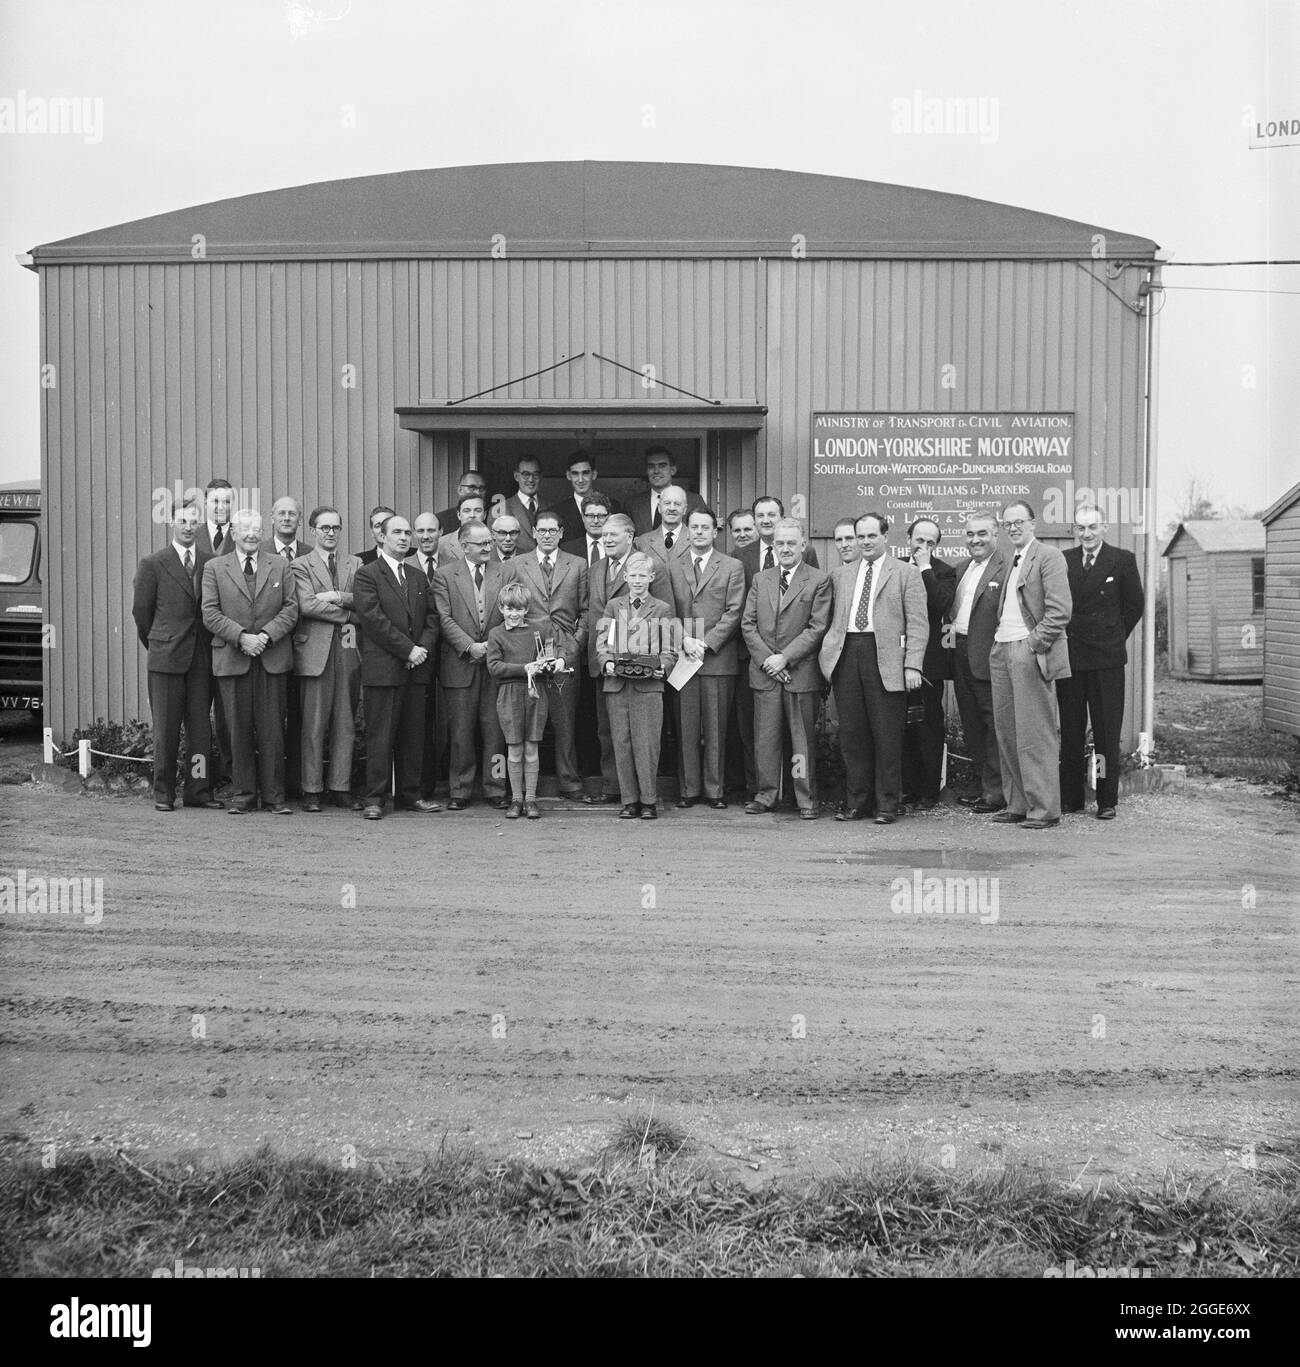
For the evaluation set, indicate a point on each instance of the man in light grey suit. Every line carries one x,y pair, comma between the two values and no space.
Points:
1030,652
670,540
872,657
557,610
787,614
326,661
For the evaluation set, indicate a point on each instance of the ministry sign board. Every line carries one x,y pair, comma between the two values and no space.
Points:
936,465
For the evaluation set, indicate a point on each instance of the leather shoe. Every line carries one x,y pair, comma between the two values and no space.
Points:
281,809
498,802
1037,825
983,808
373,813
514,811
600,799
1105,814
853,814
532,811
311,802
969,801
630,812
1008,818
886,818
756,809
686,802
718,804
163,807
458,804
424,804
210,806
649,812
344,800
238,810
808,813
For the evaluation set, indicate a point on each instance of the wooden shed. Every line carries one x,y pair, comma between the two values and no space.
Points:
365,341
1282,613
1216,600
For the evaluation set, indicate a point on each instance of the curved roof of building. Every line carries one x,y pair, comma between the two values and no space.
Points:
595,209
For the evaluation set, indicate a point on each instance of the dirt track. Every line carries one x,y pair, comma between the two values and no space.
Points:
962,1043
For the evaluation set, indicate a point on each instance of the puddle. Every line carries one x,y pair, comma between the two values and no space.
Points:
946,859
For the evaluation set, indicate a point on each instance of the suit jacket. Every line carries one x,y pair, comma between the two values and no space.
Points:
600,591
369,557
393,624
204,541
1044,593
620,609
983,609
268,547
749,558
453,593
578,546
168,610
717,602
231,608
1107,604
794,627
514,507
652,543
902,625
570,515
638,509
562,608
317,621
940,584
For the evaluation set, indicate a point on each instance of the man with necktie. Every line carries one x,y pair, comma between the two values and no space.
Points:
660,474
167,608
1106,591
523,503
286,518
399,633
1029,654
250,608
433,552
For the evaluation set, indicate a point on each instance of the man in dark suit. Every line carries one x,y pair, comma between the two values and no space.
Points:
214,533
399,633
466,595
505,535
286,518
635,706
606,581
709,595
974,619
660,474
557,611
1029,654
581,474
433,552
743,529
250,608
1106,590
326,662
168,616
471,482
523,503
872,656
756,555
787,613
923,740
586,546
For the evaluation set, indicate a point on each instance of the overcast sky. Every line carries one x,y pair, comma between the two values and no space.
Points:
1133,115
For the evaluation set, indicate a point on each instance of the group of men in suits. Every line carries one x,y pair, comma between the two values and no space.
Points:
287,638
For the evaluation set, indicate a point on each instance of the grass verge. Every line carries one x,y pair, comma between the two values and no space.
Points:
458,1214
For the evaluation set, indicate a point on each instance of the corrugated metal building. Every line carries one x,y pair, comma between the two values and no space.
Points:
363,341
1282,612
1216,600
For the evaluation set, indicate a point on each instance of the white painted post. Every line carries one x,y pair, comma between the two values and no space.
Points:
83,758
49,744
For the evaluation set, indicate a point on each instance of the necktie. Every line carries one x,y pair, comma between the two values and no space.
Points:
636,605
1016,561
654,500
287,552
1087,563
428,566
593,557
864,603
248,566
546,571
528,508
478,576
401,578
668,541
785,582
699,568
334,575
189,563
768,559
219,540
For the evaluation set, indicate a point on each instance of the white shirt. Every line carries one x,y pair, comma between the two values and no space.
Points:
966,594
395,565
544,556
857,592
1011,624
600,550
428,563
702,557
763,548
281,546
183,551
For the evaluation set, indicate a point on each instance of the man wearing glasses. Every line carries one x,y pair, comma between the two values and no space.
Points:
587,547
1029,654
326,661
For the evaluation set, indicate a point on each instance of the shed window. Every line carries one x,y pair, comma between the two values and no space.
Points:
1257,584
